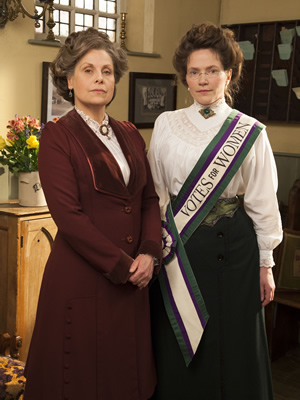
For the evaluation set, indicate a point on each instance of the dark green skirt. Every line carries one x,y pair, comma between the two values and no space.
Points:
231,362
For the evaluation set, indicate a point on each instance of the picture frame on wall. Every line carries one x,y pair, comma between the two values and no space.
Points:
53,105
150,94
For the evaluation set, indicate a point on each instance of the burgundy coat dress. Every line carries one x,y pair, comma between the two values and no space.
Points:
92,333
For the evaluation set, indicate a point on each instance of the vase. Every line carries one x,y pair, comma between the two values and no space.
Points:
30,190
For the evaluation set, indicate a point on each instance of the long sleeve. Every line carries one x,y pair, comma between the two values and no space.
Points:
260,200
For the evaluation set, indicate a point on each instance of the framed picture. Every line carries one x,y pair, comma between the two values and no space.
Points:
149,96
53,105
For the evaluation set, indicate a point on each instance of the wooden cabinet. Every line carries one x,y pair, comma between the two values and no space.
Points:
26,237
260,94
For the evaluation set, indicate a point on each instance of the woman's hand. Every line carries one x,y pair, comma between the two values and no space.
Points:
141,270
267,285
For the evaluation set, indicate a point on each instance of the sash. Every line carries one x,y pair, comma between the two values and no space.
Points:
201,190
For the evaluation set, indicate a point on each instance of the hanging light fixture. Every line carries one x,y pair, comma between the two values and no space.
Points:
10,9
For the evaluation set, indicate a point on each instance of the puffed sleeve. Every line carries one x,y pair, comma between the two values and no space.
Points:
155,160
260,200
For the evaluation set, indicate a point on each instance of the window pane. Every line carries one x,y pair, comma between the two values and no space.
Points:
56,30
88,20
102,23
89,4
111,7
61,19
79,3
102,5
108,6
83,21
112,36
111,24
78,19
62,2
64,30
79,28
64,17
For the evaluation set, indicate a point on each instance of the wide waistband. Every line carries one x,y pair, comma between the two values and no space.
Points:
222,208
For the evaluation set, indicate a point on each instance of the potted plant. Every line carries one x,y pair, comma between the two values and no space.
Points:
19,151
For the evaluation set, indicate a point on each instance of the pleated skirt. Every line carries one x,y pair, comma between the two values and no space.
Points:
231,362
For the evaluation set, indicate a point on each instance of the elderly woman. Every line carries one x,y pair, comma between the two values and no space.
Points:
210,341
92,333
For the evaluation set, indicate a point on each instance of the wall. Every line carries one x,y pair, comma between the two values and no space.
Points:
284,138
21,65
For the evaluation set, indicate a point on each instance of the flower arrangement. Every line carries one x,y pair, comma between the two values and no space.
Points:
20,149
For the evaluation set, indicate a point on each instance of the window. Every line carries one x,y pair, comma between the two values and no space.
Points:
77,15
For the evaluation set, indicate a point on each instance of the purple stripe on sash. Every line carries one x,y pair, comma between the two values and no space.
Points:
224,176
208,161
188,285
177,314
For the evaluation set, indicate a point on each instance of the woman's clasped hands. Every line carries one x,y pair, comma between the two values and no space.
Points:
141,270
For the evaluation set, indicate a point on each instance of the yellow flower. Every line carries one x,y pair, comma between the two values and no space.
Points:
2,143
32,142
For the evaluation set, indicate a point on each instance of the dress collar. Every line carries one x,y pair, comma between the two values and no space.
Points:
94,125
219,106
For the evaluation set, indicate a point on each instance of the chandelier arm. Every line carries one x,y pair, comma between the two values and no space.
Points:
36,16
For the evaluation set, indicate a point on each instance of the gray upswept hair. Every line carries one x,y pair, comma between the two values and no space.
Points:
76,46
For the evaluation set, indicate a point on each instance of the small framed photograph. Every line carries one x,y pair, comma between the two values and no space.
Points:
53,105
149,96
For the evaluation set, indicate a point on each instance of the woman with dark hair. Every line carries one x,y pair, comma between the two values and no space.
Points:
92,334
207,304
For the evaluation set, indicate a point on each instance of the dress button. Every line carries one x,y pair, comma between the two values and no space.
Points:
66,366
67,381
220,257
127,209
129,239
220,234
68,321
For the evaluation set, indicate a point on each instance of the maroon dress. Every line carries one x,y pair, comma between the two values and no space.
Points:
92,333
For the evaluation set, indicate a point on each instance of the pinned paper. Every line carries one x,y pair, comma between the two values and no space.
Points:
285,51
287,35
281,77
296,90
247,49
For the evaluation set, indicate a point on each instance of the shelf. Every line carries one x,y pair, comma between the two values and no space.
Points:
278,103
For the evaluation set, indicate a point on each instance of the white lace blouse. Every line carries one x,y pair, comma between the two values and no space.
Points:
178,140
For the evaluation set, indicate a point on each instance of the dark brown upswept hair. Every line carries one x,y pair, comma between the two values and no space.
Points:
76,46
220,40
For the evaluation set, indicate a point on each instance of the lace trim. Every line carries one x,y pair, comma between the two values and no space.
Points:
267,262
94,125
184,129
188,125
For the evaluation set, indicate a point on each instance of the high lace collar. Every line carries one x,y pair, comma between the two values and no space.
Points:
94,125
216,106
